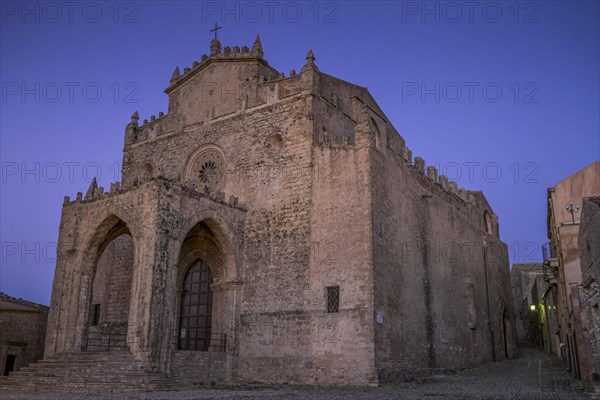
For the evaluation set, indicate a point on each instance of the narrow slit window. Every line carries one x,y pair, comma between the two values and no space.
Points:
95,314
333,299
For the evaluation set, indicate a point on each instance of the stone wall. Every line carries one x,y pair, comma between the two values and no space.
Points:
589,293
111,293
111,288
430,271
431,274
342,342
426,243
198,367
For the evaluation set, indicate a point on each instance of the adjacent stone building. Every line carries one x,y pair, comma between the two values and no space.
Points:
526,280
568,325
22,332
589,250
277,229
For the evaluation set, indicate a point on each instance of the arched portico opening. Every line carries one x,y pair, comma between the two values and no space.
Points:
110,290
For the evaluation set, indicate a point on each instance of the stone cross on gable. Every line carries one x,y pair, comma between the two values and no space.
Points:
215,29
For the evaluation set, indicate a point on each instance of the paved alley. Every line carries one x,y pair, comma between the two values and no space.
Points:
534,375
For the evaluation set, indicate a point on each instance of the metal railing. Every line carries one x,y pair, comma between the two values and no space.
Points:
106,341
548,251
200,339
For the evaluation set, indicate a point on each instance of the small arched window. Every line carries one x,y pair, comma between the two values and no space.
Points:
489,226
378,139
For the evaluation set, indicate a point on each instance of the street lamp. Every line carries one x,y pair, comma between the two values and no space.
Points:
532,307
572,210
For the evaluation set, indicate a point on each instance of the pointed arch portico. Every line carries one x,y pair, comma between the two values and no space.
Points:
110,235
223,235
170,227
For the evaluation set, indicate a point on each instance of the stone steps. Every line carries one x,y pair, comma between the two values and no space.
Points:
39,373
87,371
75,370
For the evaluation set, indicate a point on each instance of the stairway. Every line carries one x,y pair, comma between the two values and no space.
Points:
86,371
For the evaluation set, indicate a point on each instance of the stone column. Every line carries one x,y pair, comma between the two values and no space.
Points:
151,326
226,303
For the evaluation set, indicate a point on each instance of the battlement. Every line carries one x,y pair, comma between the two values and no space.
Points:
216,97
153,118
95,193
234,53
222,84
474,202
267,93
448,186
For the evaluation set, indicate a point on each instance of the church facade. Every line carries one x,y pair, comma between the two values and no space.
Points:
277,229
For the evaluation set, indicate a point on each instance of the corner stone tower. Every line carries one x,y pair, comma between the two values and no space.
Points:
272,228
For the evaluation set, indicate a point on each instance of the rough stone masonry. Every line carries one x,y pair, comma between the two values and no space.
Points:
277,229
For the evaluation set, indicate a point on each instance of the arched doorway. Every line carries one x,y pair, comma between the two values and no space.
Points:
201,322
195,318
109,300
205,298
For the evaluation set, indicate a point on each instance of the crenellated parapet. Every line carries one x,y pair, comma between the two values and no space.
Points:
213,97
470,203
430,172
201,94
96,193
152,128
235,53
135,133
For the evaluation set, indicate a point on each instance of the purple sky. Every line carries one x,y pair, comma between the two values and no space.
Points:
502,96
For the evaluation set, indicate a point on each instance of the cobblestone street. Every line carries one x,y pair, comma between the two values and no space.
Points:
535,375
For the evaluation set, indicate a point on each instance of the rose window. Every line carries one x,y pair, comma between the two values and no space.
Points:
208,170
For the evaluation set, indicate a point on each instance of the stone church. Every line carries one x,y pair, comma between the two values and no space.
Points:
276,228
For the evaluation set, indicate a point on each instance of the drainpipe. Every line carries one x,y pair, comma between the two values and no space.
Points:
487,297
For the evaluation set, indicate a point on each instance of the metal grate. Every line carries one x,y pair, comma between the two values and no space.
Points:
189,339
548,251
196,309
106,341
333,299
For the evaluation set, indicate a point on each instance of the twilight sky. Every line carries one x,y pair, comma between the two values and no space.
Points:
501,96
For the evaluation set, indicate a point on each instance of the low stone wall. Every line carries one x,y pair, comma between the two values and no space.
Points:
197,367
